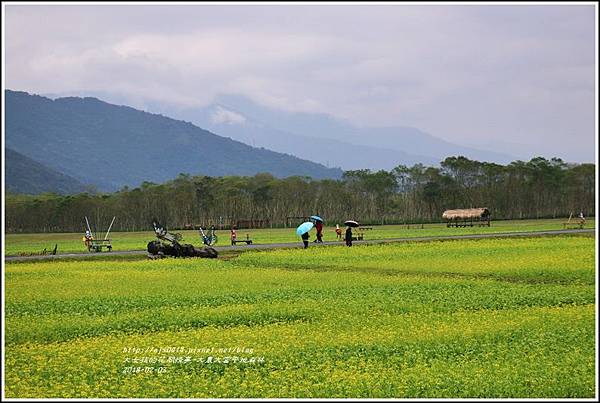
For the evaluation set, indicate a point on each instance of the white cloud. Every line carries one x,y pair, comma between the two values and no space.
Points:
221,115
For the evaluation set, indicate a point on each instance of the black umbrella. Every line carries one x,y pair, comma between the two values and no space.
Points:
351,223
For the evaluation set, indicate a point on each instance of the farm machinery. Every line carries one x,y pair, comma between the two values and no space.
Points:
169,244
92,243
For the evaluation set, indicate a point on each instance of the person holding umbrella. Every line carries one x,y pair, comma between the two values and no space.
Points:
348,237
302,231
319,226
349,225
305,239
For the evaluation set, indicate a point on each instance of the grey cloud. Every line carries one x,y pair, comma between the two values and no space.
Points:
462,72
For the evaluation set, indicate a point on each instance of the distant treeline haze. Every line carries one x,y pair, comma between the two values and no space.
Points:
539,188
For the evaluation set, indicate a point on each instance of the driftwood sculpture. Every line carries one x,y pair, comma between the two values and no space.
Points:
168,244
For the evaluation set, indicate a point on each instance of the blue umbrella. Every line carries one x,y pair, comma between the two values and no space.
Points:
304,227
316,218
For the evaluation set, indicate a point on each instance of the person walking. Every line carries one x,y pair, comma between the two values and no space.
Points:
319,227
348,236
305,239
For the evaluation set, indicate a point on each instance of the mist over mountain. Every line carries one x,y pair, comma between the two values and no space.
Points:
412,144
328,151
112,146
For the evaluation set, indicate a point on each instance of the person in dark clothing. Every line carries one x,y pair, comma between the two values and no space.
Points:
348,236
305,239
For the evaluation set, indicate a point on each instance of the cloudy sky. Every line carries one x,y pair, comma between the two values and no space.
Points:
474,74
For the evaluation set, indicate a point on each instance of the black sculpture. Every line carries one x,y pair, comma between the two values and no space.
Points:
168,245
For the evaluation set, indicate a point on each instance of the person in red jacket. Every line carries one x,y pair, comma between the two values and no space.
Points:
319,227
233,234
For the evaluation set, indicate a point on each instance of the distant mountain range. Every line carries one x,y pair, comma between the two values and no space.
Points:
92,142
24,175
317,137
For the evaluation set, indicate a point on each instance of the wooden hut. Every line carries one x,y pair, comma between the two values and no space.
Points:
466,217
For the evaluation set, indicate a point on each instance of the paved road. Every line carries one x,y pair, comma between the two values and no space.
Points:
299,244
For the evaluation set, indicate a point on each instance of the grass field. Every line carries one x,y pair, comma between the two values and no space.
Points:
71,242
469,318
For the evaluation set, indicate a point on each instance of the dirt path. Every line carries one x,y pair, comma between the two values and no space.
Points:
312,245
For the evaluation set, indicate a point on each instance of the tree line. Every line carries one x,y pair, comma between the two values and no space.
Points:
539,188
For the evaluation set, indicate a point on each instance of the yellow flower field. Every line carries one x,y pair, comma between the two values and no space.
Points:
470,318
